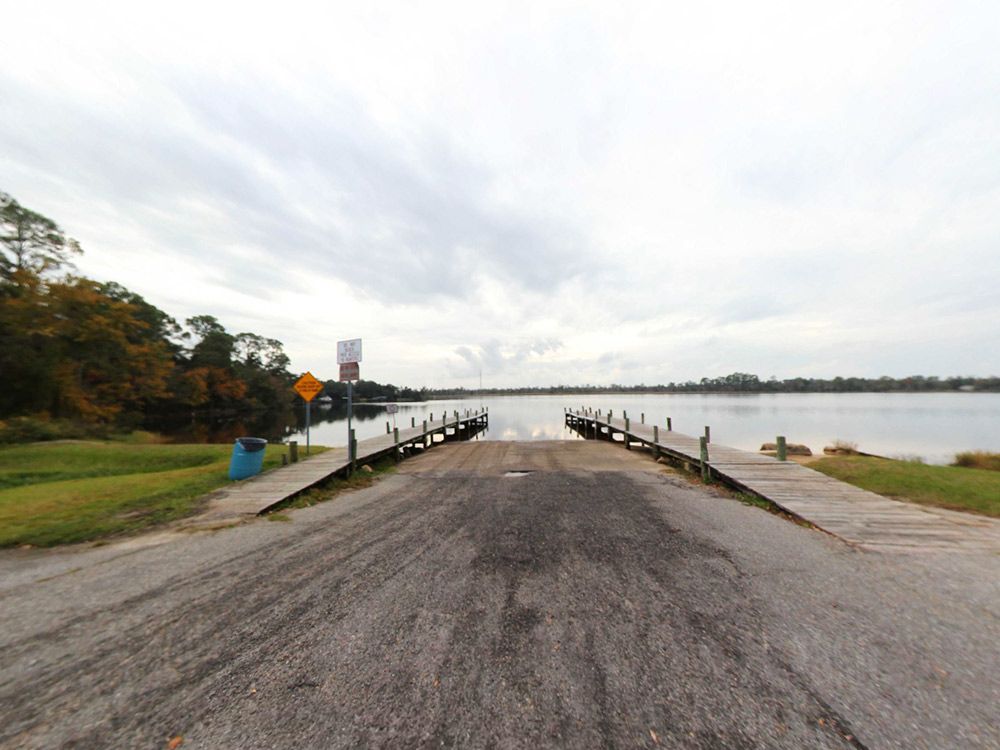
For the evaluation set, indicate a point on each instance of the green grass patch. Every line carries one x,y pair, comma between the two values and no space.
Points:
64,492
954,487
755,500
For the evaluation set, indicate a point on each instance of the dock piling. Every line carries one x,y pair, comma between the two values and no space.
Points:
782,448
293,450
705,472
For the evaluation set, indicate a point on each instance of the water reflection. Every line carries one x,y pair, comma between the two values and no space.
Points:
933,426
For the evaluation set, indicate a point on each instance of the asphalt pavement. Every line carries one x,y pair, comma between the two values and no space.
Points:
502,595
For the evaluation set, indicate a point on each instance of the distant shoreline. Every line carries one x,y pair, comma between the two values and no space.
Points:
541,392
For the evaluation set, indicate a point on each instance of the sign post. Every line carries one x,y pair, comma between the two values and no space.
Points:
348,356
308,387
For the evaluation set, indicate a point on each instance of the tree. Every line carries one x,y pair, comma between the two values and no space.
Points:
261,353
30,243
159,325
215,345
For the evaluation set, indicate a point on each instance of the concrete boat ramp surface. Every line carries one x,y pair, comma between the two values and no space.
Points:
502,595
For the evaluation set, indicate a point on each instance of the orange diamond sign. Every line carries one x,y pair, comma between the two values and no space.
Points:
308,387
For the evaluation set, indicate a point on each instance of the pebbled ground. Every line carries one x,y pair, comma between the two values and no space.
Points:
592,602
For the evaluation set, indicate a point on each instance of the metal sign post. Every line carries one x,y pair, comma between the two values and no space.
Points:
308,387
348,356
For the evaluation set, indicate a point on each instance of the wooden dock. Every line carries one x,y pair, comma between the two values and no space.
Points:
855,515
256,495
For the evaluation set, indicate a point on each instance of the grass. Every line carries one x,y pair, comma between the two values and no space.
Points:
76,491
954,487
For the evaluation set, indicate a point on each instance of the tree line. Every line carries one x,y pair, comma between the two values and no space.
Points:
739,382
72,348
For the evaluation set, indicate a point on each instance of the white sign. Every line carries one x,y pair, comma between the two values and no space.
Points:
392,408
348,351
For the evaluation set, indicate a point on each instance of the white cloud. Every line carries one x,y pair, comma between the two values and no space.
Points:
664,191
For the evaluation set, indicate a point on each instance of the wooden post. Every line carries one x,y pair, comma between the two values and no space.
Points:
782,449
293,450
624,414
284,459
708,434
703,443
388,429
432,416
642,418
352,450
670,424
413,421
656,440
395,439
425,433
628,443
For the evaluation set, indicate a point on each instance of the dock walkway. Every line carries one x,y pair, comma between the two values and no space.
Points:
853,514
258,494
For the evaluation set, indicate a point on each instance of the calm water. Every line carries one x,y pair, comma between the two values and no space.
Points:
933,426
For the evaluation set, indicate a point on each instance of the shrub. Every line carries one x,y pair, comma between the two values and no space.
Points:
841,448
978,460
40,428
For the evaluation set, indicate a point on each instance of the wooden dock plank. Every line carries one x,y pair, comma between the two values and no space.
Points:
255,495
851,513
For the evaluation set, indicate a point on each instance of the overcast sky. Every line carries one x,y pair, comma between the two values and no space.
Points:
549,192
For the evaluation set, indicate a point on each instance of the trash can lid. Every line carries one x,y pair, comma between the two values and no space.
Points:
252,444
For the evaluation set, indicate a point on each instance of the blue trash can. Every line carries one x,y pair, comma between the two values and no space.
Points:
248,457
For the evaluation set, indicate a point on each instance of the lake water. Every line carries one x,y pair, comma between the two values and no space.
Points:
933,426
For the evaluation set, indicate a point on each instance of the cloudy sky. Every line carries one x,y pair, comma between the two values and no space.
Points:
548,192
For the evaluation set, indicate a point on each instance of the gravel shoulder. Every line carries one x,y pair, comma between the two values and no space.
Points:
588,601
